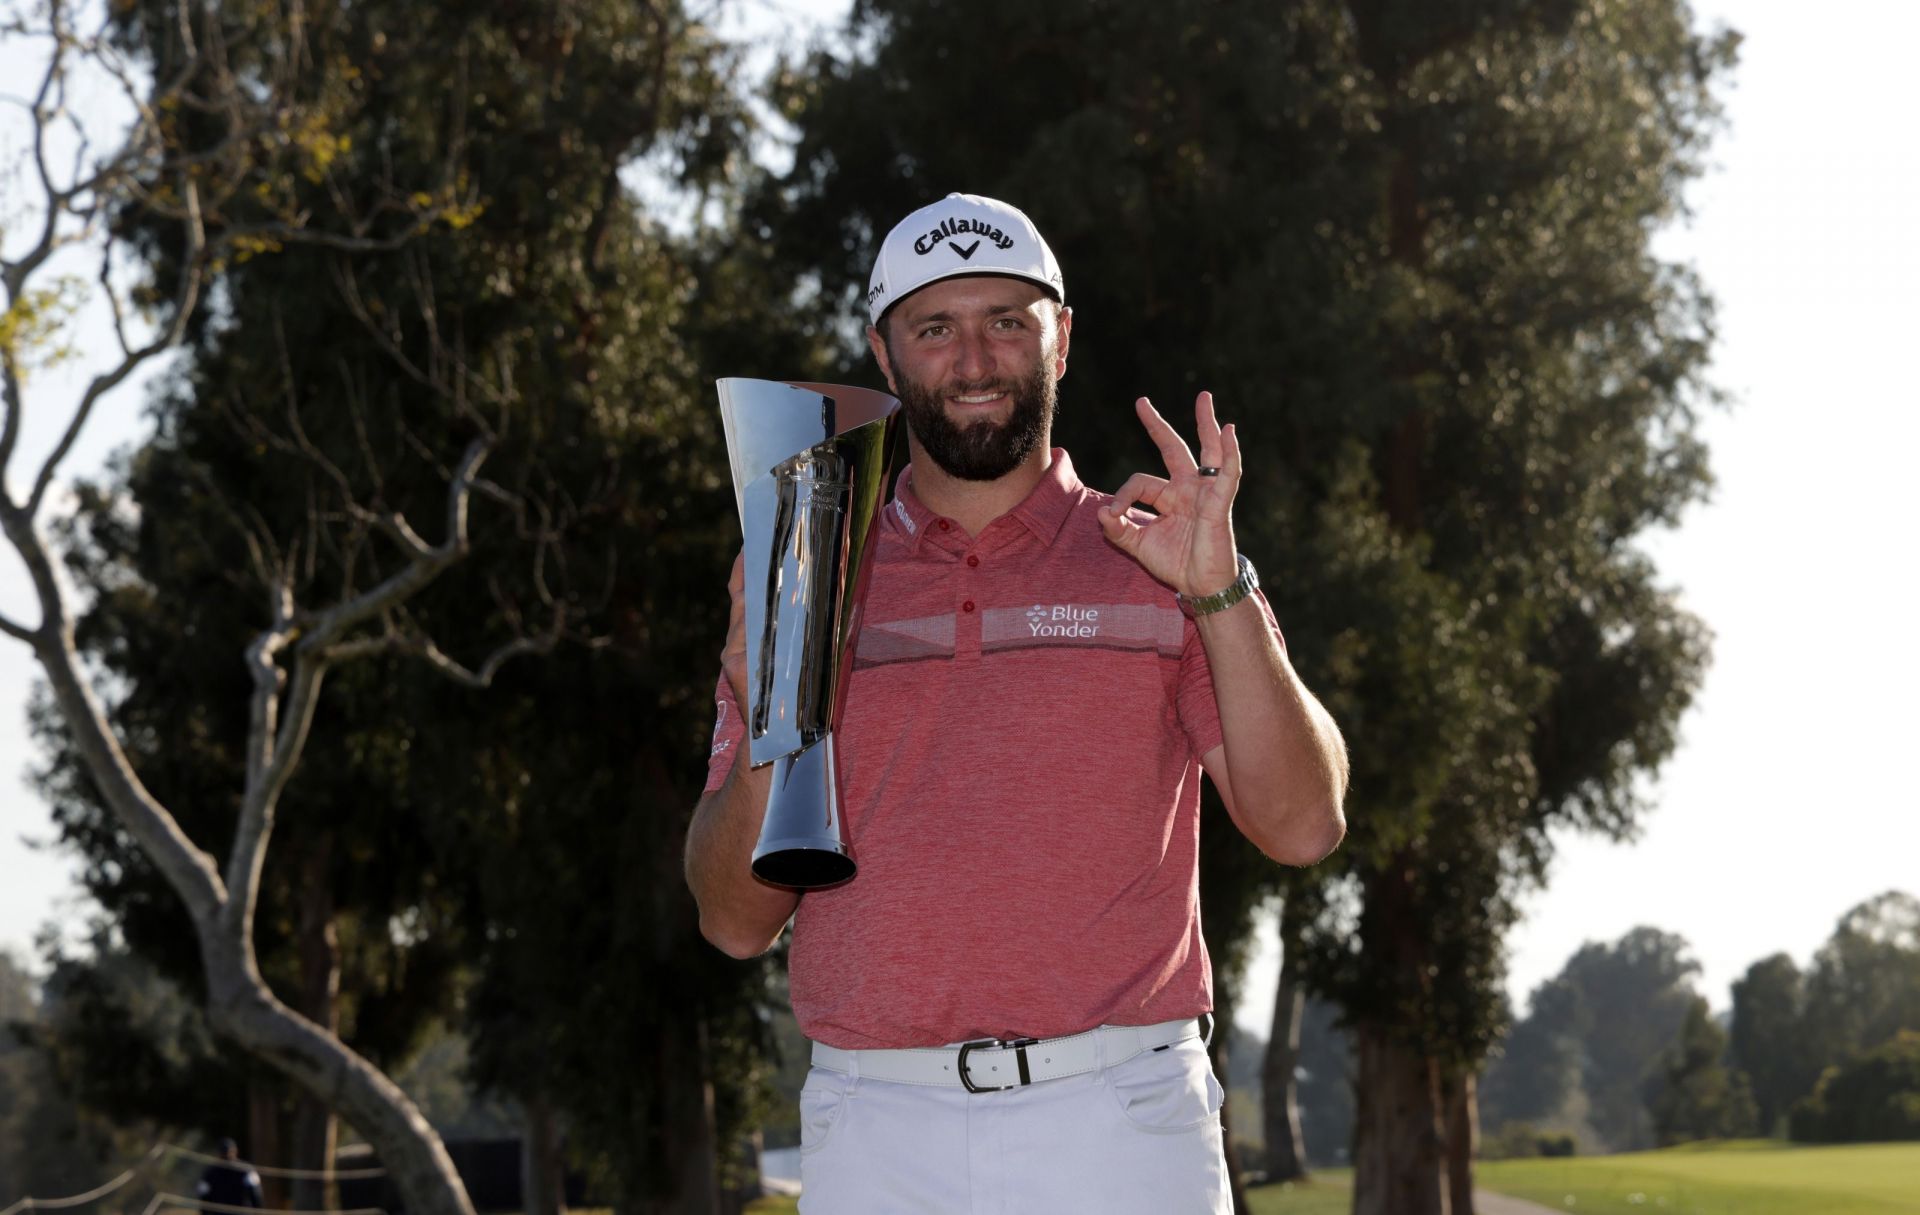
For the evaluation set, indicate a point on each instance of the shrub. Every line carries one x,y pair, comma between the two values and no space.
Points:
1520,1140
1874,1098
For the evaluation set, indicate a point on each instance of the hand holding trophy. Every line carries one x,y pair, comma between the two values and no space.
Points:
811,465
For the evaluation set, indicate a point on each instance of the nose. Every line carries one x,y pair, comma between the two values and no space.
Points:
973,357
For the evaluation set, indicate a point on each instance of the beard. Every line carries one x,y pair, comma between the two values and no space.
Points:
984,450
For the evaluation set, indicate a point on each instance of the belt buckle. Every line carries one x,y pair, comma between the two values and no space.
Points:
1019,1048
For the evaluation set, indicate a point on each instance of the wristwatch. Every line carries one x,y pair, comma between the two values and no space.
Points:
1220,601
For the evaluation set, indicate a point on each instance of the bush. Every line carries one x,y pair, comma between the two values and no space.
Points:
1520,1140
1875,1098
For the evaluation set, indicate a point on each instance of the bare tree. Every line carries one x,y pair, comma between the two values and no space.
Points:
189,189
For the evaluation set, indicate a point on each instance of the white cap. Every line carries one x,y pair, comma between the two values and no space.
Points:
960,234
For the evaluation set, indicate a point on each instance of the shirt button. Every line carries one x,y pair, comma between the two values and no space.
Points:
945,526
967,606
973,560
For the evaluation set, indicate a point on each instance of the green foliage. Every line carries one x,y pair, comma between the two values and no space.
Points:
1864,985
512,858
1593,1036
50,1144
1534,1074
1768,1039
1694,1095
1407,249
1872,1098
1523,1141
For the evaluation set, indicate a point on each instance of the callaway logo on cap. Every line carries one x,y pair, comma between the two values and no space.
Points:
960,234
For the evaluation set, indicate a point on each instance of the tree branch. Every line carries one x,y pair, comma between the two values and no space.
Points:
19,631
424,648
429,561
186,298
188,869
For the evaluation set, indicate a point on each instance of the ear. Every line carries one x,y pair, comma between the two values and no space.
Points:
1062,334
878,344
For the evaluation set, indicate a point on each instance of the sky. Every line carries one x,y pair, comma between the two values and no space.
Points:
1788,801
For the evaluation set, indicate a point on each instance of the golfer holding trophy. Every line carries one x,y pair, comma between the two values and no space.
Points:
958,745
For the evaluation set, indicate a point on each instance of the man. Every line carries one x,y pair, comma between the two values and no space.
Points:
231,1182
1009,1002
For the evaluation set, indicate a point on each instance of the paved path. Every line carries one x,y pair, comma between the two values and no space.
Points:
1499,1204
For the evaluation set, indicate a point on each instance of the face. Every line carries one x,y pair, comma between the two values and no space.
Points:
975,363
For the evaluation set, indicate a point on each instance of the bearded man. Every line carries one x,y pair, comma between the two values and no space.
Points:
1009,1005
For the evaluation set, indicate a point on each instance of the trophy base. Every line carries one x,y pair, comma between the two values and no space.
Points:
801,864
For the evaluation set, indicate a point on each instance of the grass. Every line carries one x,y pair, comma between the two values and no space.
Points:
1326,1192
1749,1177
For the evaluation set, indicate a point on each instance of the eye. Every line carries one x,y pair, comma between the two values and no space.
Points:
1007,324
933,331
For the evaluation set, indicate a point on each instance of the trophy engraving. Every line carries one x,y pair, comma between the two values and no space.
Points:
811,465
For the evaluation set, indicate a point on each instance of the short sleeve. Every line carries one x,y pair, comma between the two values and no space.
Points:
729,735
1199,709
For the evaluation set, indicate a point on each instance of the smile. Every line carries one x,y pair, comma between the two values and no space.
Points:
981,398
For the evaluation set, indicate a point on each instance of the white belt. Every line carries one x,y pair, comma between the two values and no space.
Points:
992,1064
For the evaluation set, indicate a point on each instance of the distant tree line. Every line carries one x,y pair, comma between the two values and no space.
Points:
1620,1052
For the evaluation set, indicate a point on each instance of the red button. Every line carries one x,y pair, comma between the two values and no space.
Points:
945,526
967,606
973,560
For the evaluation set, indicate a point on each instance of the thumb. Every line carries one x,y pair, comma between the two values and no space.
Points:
1120,531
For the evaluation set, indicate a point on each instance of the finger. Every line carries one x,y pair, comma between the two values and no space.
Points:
737,580
1123,532
1206,424
1143,488
1173,449
1216,502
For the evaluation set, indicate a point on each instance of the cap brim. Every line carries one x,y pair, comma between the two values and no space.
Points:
969,272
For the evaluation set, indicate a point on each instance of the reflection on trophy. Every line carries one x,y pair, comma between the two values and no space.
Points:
811,465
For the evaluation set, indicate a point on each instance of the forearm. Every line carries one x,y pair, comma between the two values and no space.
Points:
1286,764
738,912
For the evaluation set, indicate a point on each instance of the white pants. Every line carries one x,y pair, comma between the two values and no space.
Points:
1139,1138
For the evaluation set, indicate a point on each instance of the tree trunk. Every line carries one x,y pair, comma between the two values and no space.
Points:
242,1009
687,1154
1217,1050
1398,1165
1463,1139
543,1170
744,1186
316,1131
1279,1084
265,1143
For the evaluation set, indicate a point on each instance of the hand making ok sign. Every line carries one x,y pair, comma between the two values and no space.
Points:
1189,546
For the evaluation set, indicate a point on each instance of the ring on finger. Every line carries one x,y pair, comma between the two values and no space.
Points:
1207,470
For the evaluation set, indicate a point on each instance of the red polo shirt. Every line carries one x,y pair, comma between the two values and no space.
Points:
1020,763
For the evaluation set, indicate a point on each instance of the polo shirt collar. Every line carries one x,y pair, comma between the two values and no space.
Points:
1043,511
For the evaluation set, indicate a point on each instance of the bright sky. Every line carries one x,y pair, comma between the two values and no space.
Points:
1787,803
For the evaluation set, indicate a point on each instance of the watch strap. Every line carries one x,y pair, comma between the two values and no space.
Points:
1242,586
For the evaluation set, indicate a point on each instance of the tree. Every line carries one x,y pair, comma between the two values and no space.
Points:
505,833
1768,1038
1693,1094
1279,1074
1535,1077
1872,1098
1864,985
1326,1085
1407,247
228,114
1633,997
50,1144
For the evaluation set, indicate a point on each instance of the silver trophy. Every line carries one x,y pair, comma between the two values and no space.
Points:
811,466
